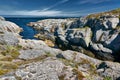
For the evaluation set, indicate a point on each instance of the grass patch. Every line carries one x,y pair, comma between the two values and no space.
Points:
79,74
6,66
12,51
7,54
98,15
3,71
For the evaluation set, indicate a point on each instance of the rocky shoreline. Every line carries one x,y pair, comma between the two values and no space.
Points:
25,59
98,35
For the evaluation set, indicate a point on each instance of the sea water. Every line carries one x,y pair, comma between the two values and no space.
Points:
28,32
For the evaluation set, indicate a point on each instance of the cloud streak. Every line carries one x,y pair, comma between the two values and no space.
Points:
56,4
93,1
39,13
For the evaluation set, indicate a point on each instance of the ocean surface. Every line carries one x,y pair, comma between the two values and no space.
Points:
28,32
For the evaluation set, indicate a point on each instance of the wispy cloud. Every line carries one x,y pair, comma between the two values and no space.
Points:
39,13
31,12
56,4
93,1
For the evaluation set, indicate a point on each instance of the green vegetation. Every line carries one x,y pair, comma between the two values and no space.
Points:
91,68
107,78
11,51
98,15
7,54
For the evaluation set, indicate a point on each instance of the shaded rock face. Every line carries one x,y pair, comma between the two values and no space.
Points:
75,33
80,37
104,22
105,34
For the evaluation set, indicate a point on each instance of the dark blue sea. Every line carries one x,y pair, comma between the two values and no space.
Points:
28,32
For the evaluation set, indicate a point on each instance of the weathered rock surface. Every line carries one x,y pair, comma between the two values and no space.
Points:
9,32
9,27
38,61
47,70
9,38
71,66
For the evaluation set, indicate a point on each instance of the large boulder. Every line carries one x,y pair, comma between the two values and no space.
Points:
9,32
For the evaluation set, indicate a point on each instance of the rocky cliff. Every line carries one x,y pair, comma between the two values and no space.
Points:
98,33
22,59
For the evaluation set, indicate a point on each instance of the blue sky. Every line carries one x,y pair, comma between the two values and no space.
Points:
56,7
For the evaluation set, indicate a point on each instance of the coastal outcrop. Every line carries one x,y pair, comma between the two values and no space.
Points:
25,59
96,33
